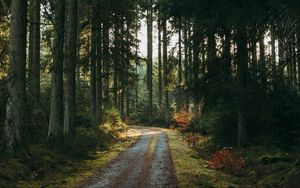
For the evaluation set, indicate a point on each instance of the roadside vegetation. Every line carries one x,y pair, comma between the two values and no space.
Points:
70,163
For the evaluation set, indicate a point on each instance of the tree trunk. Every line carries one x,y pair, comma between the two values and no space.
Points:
262,59
254,60
93,61
106,59
136,72
160,84
298,53
34,54
242,73
211,52
99,75
116,59
70,66
165,71
149,58
15,120
273,50
180,63
186,65
123,70
196,69
294,60
57,110
227,53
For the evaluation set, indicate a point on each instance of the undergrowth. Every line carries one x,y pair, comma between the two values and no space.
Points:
41,163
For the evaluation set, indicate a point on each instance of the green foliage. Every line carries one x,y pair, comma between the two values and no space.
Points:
112,122
85,141
220,122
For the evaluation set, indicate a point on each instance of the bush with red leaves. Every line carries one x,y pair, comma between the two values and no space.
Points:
182,118
227,160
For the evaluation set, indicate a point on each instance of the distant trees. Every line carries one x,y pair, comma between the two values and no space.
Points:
226,54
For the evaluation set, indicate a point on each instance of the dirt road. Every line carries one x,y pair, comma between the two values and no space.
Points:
147,164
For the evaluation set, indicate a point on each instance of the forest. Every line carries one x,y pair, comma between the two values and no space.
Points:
207,91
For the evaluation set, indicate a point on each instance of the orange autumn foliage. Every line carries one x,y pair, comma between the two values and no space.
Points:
183,118
227,160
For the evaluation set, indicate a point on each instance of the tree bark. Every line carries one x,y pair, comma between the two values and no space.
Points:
186,65
160,84
34,54
15,120
93,60
57,109
99,97
180,62
106,59
211,53
227,53
116,59
263,69
70,66
298,53
165,71
242,74
150,58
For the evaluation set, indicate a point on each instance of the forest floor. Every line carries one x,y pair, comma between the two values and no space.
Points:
151,157
47,168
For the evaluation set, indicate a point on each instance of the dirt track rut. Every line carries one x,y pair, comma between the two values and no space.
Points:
147,164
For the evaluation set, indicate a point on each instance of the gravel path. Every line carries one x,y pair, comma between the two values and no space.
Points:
147,164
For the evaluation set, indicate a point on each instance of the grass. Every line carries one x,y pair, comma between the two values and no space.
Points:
265,166
191,170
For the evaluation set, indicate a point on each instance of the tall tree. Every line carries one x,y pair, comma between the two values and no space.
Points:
150,58
70,66
34,54
186,64
99,75
165,70
93,61
106,55
242,68
15,120
180,61
262,61
298,52
57,110
160,84
116,61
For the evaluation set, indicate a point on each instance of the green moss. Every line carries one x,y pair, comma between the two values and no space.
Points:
65,166
193,172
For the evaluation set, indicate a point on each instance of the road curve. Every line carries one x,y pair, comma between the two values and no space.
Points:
147,164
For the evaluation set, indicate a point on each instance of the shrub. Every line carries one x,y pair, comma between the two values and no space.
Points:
227,160
182,118
219,121
112,123
86,140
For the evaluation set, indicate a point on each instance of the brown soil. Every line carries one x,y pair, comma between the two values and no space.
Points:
147,164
